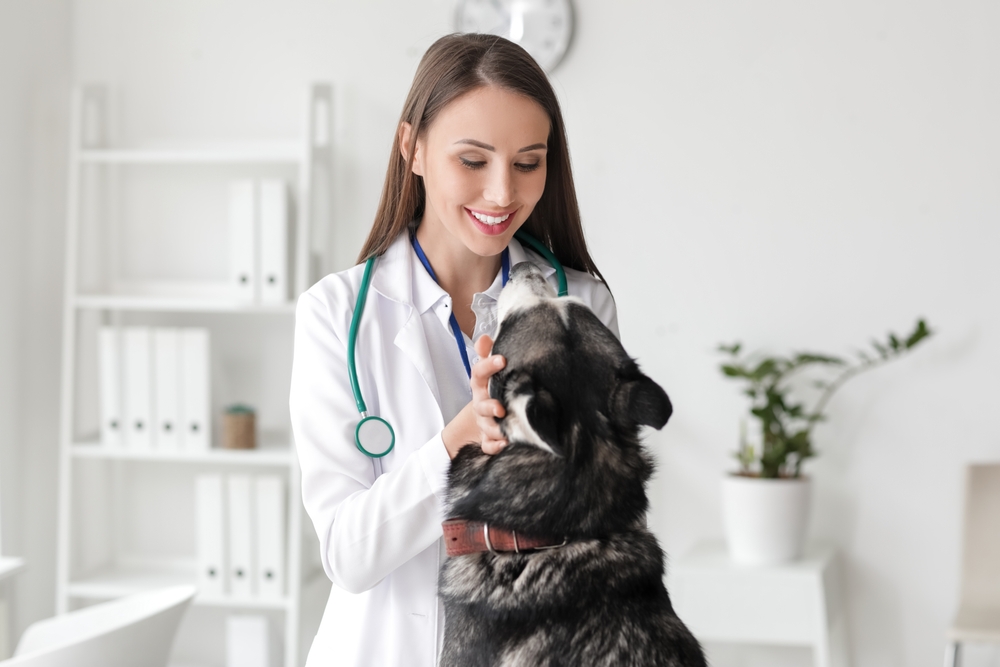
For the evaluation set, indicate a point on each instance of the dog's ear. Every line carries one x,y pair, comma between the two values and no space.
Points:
543,416
532,412
644,402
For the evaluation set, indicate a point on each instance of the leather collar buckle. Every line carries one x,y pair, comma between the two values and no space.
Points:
464,537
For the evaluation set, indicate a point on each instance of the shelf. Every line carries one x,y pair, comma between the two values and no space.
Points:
115,582
269,457
240,154
115,192
177,304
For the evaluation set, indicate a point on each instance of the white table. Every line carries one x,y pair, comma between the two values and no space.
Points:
795,604
8,568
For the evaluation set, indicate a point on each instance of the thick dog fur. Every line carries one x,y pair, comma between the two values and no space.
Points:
573,468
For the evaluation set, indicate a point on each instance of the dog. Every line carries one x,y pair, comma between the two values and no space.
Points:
569,575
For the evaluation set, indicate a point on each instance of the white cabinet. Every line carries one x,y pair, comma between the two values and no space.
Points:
792,604
149,248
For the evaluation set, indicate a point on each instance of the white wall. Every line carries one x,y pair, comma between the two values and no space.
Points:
34,79
790,174
808,175
11,211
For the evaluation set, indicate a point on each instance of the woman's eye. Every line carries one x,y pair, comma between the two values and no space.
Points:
471,164
527,167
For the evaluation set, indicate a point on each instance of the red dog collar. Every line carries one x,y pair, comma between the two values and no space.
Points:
463,537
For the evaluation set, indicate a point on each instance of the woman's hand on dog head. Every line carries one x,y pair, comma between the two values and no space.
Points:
477,420
487,409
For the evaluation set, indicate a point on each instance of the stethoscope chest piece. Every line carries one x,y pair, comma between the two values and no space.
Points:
374,437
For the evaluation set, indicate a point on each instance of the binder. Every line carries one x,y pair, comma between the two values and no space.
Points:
166,388
251,642
243,241
239,573
194,383
269,512
110,383
137,386
210,523
273,208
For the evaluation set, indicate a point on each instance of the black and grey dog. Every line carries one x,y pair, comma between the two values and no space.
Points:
573,470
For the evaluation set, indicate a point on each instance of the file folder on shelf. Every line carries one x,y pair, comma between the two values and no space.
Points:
137,360
243,240
166,388
239,573
273,209
269,510
251,642
210,523
110,383
194,352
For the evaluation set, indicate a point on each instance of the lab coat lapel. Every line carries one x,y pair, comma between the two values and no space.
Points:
412,341
393,281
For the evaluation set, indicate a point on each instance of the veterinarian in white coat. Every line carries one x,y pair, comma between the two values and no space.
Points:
476,156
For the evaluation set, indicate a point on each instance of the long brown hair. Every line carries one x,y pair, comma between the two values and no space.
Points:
453,66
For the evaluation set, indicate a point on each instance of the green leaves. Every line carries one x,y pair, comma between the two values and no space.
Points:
766,368
919,333
785,424
894,345
733,349
733,371
804,358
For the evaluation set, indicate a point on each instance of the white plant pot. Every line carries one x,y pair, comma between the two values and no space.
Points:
765,519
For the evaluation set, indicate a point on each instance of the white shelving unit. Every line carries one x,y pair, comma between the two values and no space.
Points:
126,521
9,568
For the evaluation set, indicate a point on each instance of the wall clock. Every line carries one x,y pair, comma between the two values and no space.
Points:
542,27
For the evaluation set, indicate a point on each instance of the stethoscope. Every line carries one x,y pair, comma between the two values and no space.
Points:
373,435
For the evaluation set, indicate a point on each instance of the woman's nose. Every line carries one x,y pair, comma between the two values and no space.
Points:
500,188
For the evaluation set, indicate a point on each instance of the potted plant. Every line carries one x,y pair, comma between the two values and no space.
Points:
766,502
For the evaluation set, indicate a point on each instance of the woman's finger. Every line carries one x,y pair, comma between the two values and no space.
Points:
484,369
489,408
492,447
490,430
484,346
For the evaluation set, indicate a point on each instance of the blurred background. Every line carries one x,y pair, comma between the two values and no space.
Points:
791,175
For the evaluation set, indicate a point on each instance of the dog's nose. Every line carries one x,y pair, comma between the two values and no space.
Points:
526,287
527,279
524,270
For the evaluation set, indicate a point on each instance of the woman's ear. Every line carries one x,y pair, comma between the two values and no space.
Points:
405,135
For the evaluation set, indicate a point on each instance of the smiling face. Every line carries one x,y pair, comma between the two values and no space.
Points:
483,162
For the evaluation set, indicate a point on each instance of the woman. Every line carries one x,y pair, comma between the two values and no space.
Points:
480,153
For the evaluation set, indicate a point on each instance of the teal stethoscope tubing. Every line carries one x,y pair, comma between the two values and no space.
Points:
352,338
539,247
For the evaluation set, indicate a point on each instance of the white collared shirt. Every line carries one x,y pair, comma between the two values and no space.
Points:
435,307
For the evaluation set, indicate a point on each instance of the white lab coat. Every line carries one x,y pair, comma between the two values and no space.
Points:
380,539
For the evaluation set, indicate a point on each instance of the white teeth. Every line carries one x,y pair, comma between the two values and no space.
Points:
489,219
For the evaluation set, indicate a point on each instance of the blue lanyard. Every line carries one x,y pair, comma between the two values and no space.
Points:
455,329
